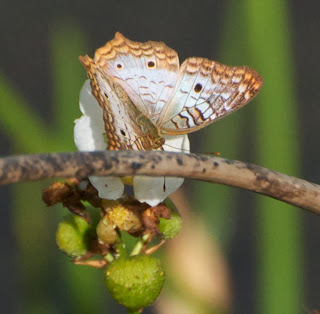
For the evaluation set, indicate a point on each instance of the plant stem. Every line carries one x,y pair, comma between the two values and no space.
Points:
139,245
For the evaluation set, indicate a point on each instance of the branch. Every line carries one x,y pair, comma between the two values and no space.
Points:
247,176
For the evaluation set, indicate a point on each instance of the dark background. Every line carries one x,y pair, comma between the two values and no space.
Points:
193,29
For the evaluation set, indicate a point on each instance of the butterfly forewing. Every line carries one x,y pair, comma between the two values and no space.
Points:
126,128
146,71
205,92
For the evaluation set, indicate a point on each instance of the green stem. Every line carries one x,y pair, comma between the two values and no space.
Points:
109,257
139,245
120,247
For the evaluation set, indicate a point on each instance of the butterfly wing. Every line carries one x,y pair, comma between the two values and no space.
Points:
126,128
146,71
205,92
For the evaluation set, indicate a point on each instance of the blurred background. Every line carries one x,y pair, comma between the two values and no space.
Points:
239,252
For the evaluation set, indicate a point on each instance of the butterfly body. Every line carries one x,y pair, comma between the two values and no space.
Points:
144,93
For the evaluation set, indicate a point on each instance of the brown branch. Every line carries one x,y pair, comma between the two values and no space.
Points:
201,167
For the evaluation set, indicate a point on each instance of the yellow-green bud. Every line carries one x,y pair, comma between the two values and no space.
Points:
136,281
105,231
172,226
74,234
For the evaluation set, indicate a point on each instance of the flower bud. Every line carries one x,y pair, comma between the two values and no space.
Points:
172,226
74,234
106,231
135,282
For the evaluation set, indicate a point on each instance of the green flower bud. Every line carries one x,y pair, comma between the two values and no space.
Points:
135,282
172,226
74,234
106,232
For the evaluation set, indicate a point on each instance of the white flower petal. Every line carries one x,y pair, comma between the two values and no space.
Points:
82,136
89,129
110,188
178,143
88,104
153,190
88,136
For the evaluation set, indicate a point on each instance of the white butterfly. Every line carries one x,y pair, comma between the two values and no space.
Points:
145,95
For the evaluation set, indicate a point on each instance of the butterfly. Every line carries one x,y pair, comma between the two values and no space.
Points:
145,94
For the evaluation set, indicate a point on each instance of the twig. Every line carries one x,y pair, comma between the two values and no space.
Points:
125,163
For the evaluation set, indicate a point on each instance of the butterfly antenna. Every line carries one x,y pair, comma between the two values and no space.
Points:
181,149
214,153
187,151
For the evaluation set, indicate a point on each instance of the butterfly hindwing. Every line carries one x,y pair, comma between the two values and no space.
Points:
205,92
121,117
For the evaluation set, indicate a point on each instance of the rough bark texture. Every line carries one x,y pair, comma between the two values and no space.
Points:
125,163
